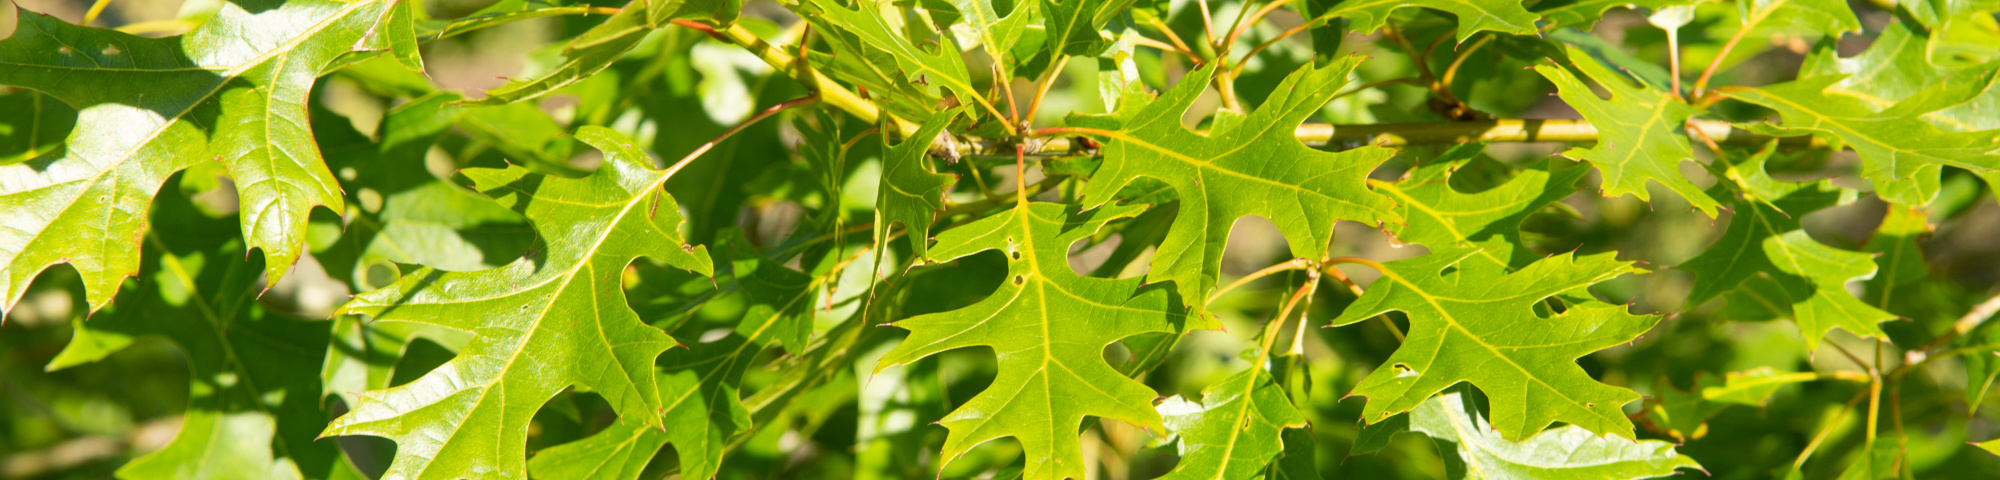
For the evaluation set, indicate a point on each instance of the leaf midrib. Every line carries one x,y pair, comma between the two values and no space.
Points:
1206,165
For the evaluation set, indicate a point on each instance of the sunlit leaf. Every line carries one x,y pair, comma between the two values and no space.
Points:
1895,143
1439,216
1475,323
700,384
877,23
1073,24
1255,168
998,35
1990,446
1474,16
1569,452
554,318
598,48
1049,327
1235,430
231,91
1640,131
1898,66
1584,14
1830,17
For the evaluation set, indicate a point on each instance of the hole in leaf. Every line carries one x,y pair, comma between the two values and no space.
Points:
1117,353
1845,226
1254,242
956,284
712,335
380,273
568,417
8,21
769,223
586,160
1479,174
1085,257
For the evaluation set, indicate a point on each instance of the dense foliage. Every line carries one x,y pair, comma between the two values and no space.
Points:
1578,239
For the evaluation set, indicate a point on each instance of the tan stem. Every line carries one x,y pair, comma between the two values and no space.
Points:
1701,84
1435,133
827,90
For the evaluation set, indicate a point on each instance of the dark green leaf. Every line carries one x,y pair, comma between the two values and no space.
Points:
254,403
911,193
1767,267
1684,415
38,125
399,213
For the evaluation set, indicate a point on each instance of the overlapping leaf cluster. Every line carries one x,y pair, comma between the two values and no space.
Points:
1037,267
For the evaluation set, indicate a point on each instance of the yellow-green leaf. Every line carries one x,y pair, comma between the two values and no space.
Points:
1568,452
1476,323
1474,16
1640,131
1440,216
1255,167
557,317
1049,327
231,91
1235,431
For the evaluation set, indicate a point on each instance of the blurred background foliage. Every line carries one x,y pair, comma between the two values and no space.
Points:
679,88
